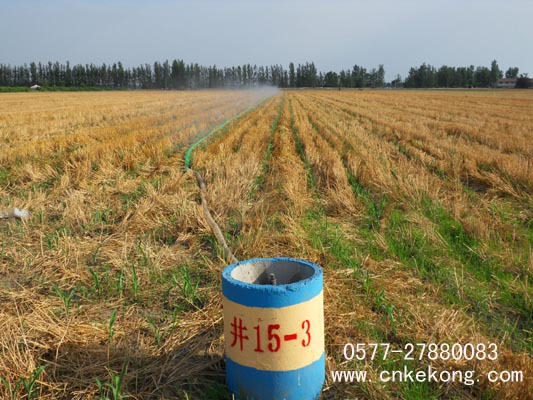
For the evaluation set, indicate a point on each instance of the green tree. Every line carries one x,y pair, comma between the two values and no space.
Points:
331,79
345,79
166,75
380,76
158,75
299,76
495,73
523,82
174,74
121,75
68,75
311,74
482,77
292,75
359,76
114,75
33,73
512,72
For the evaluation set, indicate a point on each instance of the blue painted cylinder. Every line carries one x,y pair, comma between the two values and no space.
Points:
274,329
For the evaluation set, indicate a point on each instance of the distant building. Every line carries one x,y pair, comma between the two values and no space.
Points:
506,83
35,87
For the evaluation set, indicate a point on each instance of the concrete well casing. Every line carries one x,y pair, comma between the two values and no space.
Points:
274,334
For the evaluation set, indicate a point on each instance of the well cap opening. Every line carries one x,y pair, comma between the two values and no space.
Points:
272,271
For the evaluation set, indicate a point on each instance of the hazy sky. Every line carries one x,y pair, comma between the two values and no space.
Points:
334,34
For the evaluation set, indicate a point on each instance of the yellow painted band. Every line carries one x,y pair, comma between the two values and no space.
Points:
274,339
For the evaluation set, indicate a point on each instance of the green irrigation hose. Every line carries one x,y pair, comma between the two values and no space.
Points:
188,154
201,184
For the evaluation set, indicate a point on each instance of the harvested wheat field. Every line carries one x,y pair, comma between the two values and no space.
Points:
417,204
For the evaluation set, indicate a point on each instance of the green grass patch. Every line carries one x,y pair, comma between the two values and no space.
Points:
375,205
14,89
330,240
484,288
4,177
131,198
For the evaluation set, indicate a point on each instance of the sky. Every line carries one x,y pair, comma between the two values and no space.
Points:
334,34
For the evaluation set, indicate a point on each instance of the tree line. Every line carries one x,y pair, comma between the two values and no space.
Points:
427,76
180,75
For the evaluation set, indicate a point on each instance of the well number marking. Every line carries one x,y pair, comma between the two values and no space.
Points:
269,338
